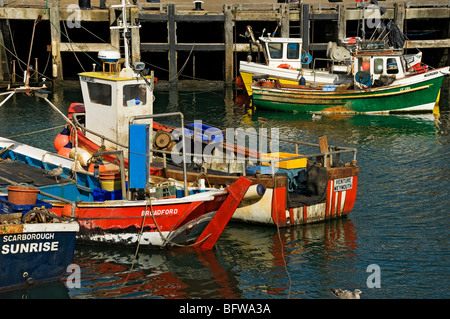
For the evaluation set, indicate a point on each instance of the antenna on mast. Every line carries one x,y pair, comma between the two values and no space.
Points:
127,71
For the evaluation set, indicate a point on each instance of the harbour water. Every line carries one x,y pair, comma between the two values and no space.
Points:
394,244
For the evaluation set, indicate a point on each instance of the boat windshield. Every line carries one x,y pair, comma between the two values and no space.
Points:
134,95
293,51
275,50
99,93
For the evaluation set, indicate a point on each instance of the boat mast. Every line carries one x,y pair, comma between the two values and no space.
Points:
127,71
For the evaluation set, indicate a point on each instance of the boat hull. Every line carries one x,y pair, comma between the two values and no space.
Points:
33,254
417,94
275,207
150,224
248,70
270,210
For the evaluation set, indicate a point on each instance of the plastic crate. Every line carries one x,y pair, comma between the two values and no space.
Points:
100,195
168,190
6,207
295,163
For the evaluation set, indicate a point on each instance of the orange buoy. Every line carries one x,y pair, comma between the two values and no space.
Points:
65,150
61,139
240,82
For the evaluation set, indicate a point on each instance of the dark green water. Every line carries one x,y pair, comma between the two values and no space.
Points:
400,221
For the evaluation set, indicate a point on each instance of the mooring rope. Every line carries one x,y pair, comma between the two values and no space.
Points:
279,238
39,131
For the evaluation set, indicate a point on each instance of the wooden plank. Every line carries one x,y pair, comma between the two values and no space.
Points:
228,35
342,23
257,16
171,26
427,44
114,33
22,13
323,146
135,37
4,66
55,34
87,47
161,47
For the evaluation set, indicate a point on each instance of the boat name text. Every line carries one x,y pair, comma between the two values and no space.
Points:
33,236
29,247
343,184
158,212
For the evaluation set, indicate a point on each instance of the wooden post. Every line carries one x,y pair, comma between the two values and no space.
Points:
135,37
228,35
399,15
4,68
342,23
36,73
305,27
13,77
284,10
115,33
171,26
323,146
55,33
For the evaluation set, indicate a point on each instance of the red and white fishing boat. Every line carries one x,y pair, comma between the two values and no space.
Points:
128,206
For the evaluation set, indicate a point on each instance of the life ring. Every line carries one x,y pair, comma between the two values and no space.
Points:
284,66
306,58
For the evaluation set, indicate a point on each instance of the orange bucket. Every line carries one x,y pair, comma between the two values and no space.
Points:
22,195
110,180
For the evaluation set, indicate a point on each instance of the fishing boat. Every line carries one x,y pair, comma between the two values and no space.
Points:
127,205
407,93
116,117
360,76
106,216
287,189
285,60
36,246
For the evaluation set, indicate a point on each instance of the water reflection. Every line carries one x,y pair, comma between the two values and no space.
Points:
53,290
248,262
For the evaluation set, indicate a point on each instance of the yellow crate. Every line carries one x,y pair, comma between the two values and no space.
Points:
295,163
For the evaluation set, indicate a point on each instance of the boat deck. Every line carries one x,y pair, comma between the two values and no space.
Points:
17,172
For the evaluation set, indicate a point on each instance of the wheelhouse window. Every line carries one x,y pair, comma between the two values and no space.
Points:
134,95
392,67
100,93
293,51
275,50
378,66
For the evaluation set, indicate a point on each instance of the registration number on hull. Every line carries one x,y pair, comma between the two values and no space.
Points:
343,184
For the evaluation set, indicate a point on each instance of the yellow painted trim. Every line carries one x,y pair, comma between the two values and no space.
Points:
106,76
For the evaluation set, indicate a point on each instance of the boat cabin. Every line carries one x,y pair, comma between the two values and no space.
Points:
281,51
111,97
380,65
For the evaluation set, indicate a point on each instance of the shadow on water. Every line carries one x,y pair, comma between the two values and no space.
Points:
399,220
248,262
